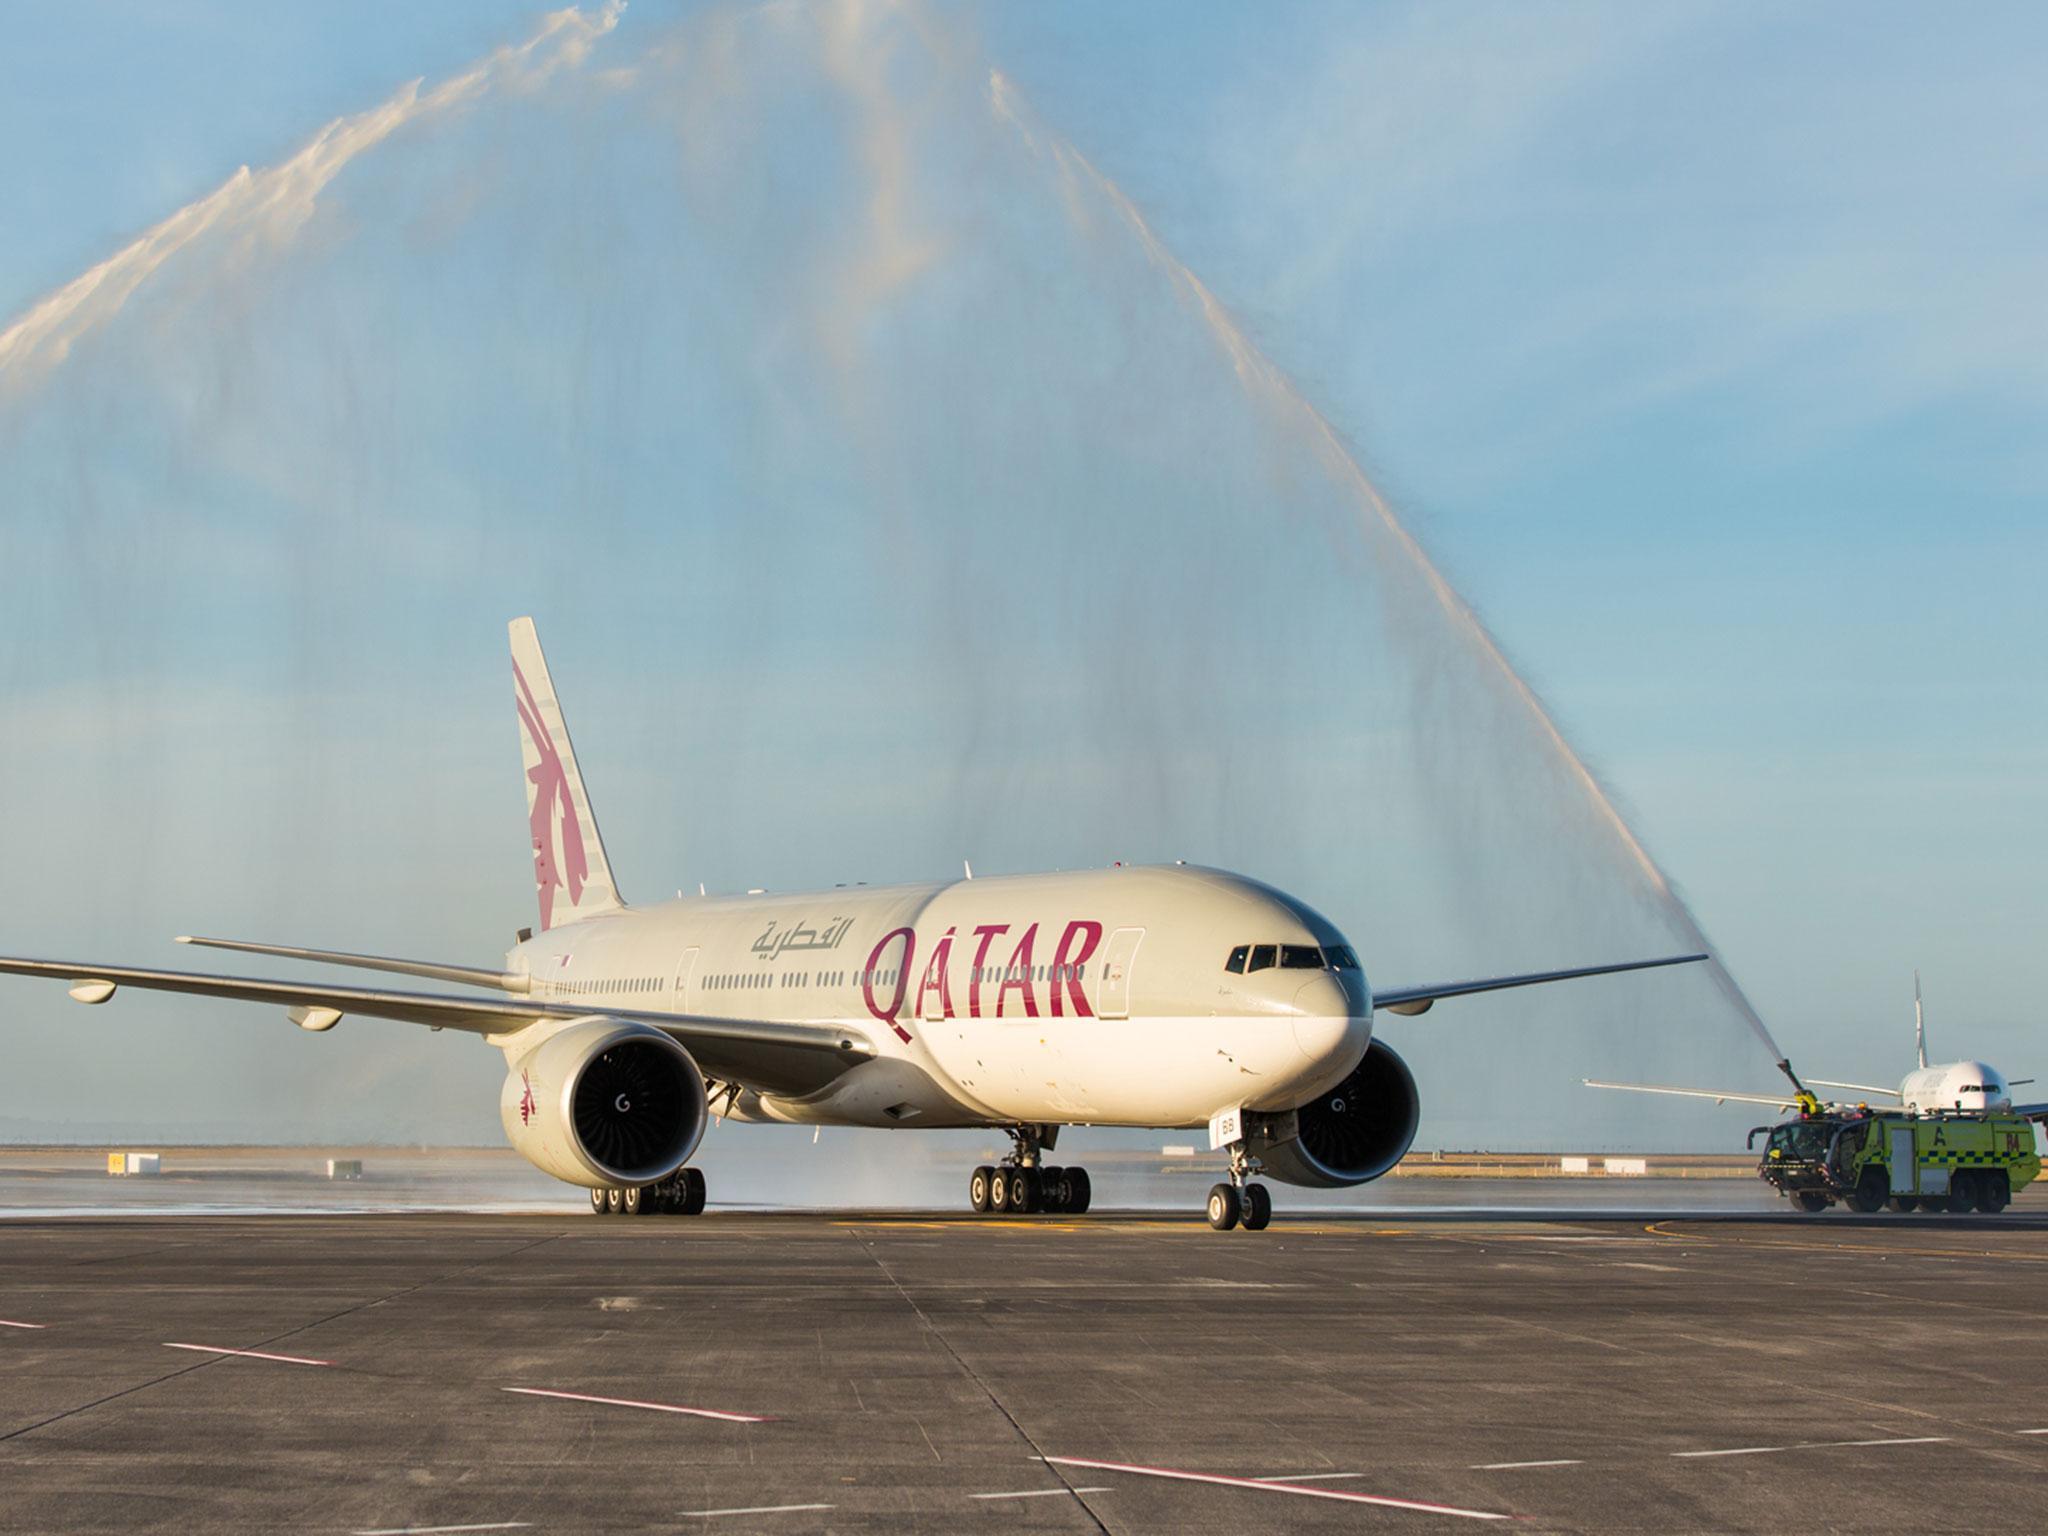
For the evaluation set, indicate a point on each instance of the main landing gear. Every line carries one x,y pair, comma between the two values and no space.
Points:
1240,1202
1023,1184
680,1194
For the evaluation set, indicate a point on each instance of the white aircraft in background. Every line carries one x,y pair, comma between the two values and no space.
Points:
1965,1087
1169,997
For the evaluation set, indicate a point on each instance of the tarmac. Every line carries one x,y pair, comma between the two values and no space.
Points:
1119,1372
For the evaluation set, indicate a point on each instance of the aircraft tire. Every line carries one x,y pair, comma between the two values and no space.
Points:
1994,1193
599,1205
633,1201
614,1198
999,1192
1024,1191
1052,1190
691,1202
1258,1207
1962,1191
1079,1191
1224,1207
980,1186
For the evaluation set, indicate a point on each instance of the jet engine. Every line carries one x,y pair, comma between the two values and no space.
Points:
605,1103
1350,1135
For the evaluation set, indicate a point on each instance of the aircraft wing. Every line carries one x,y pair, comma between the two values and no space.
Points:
431,970
1886,1093
1413,1000
769,1054
1776,1100
2032,1111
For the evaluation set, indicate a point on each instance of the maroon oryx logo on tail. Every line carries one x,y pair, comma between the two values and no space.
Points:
551,799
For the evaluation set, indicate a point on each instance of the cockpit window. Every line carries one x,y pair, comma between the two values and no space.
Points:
1262,957
1340,958
1235,964
1300,957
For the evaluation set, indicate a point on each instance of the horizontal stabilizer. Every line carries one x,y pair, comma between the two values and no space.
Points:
1418,999
433,970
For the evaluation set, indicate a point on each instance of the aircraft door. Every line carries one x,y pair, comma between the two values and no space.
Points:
1113,984
1905,1165
684,967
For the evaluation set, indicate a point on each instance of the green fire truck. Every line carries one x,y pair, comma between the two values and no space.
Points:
1870,1160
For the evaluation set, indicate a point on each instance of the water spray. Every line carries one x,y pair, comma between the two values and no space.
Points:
1263,379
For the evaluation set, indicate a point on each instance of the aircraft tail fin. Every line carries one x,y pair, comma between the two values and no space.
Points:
571,874
1919,1021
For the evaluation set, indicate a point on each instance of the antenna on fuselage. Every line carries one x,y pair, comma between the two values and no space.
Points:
968,865
1919,1020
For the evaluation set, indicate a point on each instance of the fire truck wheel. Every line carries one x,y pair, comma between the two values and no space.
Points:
1962,1191
1994,1194
1871,1191
1811,1200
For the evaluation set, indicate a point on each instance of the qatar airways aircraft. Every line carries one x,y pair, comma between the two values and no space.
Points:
1955,1087
1171,997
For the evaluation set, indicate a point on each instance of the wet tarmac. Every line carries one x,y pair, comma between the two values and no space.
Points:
1122,1372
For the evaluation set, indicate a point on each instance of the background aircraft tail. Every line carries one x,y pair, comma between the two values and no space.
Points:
571,874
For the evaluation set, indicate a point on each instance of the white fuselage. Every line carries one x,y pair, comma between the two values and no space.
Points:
1964,1085
1095,997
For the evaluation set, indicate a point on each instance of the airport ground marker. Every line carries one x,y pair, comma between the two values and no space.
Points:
248,1354
1301,1490
756,1509
633,1402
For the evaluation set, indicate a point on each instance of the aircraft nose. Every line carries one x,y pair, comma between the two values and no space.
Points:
1323,1024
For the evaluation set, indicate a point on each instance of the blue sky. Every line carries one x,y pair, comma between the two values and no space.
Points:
881,503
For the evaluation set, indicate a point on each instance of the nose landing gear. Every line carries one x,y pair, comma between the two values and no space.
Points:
1022,1184
1240,1202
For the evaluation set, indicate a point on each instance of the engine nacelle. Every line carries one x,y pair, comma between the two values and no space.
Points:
1350,1135
605,1103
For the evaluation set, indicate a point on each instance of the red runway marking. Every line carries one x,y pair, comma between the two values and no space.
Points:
251,1354
629,1402
1299,1490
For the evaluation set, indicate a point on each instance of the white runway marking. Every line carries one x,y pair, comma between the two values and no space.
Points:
630,1402
2017,1431
1310,1477
4,1323
1510,1466
1036,1493
758,1509
1811,1445
439,1530
1299,1489
248,1354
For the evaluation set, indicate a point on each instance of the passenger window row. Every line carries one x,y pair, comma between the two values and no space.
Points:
1247,958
